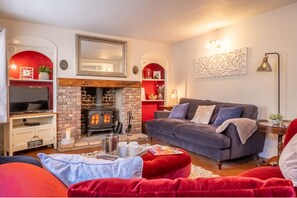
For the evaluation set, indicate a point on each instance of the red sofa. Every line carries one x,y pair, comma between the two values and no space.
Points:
21,179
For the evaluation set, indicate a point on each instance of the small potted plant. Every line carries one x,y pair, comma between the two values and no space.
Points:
276,118
43,72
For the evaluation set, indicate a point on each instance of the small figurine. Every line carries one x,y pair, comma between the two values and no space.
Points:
160,90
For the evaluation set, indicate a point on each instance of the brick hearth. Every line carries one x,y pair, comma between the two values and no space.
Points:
69,107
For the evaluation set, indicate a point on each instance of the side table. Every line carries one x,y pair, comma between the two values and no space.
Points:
166,107
280,131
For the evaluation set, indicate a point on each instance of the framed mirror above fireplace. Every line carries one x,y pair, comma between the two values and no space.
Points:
101,56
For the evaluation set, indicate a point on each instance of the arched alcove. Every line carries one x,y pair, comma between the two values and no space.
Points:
28,43
154,76
157,58
31,53
160,59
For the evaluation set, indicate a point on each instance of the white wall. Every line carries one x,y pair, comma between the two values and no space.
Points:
64,39
274,31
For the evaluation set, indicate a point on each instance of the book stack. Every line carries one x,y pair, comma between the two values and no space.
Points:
164,150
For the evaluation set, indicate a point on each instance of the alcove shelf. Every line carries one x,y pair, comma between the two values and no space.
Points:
29,80
153,77
153,101
153,80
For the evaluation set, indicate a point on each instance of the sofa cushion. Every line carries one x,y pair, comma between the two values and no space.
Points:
26,180
202,134
288,160
203,114
179,111
249,111
193,105
71,168
164,125
207,187
226,113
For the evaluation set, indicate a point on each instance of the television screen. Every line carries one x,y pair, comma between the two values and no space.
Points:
24,99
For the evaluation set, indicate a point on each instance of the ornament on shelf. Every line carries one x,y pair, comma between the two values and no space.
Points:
160,90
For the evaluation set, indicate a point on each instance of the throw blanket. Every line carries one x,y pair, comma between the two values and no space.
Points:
245,127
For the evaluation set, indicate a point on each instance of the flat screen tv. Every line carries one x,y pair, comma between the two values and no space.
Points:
28,99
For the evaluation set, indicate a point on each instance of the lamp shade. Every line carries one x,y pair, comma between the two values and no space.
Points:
265,66
174,95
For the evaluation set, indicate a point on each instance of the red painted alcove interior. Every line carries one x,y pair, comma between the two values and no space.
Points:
150,86
31,59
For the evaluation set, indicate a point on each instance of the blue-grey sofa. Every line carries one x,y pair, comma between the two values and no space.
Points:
202,138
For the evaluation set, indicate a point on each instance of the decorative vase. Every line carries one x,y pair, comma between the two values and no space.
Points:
275,122
43,76
147,73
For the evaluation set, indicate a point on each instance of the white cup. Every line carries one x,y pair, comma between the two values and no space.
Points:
123,149
133,148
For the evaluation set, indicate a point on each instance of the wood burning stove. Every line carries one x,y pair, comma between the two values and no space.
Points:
99,119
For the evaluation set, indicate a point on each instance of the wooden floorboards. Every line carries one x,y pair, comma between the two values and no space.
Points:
229,168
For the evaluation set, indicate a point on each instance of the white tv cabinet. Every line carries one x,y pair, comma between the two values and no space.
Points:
19,136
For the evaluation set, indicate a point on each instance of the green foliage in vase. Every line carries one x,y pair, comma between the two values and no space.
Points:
276,116
44,68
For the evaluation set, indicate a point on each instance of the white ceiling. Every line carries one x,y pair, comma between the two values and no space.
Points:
166,21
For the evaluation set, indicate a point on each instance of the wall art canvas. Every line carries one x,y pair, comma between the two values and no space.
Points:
224,64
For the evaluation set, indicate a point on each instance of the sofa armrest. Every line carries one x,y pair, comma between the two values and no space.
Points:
161,114
254,144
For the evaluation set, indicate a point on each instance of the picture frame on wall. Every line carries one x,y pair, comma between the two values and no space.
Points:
157,75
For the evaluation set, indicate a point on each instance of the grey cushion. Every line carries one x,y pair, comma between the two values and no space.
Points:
194,103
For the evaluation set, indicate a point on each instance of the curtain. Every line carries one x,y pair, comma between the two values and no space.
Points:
3,77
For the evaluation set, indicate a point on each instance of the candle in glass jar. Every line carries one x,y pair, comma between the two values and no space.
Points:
68,134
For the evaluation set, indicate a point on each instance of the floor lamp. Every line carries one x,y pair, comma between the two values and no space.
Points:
266,67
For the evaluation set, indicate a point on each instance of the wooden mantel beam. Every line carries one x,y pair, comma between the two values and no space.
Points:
75,82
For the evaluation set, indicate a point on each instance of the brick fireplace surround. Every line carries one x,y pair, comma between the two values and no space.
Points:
69,106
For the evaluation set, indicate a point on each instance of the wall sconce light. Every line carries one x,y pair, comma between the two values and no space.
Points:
174,96
213,44
13,66
266,67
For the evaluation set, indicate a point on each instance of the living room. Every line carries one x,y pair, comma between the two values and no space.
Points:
270,31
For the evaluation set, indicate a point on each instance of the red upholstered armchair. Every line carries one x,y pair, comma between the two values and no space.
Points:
266,172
